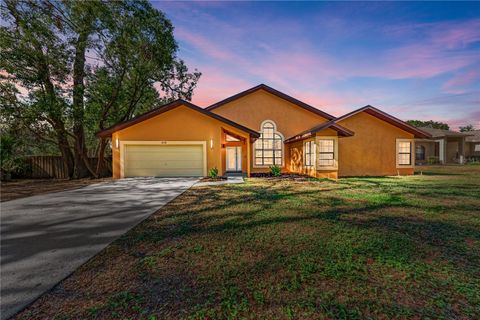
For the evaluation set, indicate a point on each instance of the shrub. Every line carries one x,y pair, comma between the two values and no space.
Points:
275,170
213,172
433,160
10,163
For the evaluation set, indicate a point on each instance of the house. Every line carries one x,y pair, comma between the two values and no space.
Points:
472,145
444,146
255,129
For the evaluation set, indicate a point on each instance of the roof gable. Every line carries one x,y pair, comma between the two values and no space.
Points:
275,93
342,131
387,118
167,107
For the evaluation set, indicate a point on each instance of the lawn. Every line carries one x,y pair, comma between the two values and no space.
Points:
383,248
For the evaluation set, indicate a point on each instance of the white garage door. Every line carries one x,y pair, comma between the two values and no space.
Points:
163,160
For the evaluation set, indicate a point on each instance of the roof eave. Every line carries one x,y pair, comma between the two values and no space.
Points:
276,93
169,106
389,119
341,131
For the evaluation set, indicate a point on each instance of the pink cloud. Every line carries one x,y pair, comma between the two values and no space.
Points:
234,55
215,86
420,61
446,34
459,81
456,35
203,44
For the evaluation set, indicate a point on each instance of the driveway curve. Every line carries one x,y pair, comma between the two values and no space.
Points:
44,238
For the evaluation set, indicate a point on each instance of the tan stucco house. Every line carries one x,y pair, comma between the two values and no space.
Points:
257,128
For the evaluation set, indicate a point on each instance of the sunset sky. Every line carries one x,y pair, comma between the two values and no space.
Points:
413,60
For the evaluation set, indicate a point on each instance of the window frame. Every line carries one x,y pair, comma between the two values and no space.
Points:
412,153
335,153
276,136
326,152
421,147
310,154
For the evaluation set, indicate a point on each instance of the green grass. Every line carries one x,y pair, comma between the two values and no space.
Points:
359,248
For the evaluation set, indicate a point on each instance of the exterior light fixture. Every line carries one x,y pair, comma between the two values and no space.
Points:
116,143
211,143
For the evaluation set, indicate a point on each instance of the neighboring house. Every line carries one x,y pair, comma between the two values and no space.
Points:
257,128
444,146
472,145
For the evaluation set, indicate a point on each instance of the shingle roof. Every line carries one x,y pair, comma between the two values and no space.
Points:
475,137
418,133
441,133
342,131
169,106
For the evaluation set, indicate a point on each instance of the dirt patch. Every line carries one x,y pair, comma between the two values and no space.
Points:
22,188
283,176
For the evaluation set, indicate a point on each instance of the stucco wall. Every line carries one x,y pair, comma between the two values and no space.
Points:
251,110
372,150
180,124
452,151
296,162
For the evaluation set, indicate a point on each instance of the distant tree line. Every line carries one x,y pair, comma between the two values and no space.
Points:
438,125
71,68
466,128
429,124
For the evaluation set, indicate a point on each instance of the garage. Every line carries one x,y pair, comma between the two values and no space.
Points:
164,160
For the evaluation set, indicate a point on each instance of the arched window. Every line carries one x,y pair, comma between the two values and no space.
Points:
269,146
419,152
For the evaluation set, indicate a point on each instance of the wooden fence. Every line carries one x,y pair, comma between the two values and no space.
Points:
54,167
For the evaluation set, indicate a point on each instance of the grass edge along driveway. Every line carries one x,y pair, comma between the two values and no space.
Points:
394,247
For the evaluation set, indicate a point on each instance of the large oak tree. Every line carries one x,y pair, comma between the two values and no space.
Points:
79,66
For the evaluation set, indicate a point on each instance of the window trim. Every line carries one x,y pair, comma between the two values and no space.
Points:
335,153
311,153
412,153
260,138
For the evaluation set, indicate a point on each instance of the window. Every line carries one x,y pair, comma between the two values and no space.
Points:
269,146
229,138
404,153
419,152
326,152
309,149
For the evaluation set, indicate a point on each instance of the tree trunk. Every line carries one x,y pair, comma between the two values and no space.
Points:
101,156
82,166
67,155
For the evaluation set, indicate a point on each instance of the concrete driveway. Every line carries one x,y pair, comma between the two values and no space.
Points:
46,237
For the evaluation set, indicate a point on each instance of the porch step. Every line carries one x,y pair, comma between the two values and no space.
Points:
233,174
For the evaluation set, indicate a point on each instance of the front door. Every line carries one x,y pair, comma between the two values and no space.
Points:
234,159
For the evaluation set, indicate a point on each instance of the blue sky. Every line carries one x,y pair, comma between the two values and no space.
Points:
415,60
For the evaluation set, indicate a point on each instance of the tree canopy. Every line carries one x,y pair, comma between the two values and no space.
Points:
71,68
429,124
466,128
